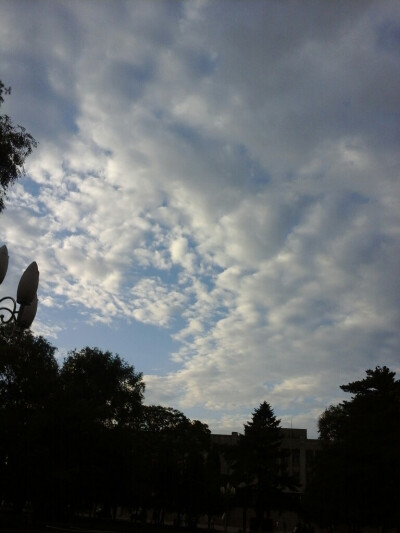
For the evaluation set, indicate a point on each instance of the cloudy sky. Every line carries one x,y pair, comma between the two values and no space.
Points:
215,195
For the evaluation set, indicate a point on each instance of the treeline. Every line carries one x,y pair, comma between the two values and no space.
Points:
76,437
356,478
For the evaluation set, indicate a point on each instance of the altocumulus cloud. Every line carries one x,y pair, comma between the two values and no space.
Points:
228,175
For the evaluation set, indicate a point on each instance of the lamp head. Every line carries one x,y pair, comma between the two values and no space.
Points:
27,313
3,262
28,285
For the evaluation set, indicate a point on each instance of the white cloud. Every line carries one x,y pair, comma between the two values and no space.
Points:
231,175
154,304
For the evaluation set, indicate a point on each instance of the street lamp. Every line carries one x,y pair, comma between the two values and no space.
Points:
228,492
26,295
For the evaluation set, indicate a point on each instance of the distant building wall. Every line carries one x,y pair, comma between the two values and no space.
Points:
300,453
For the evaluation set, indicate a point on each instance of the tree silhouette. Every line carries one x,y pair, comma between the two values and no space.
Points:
259,462
174,454
28,385
101,406
15,146
356,479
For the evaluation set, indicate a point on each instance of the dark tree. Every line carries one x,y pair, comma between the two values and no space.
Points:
68,436
15,146
159,419
104,386
356,480
101,406
260,461
174,451
28,385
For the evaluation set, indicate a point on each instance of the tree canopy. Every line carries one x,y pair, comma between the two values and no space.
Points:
28,386
174,451
358,471
76,436
100,405
260,464
105,384
15,146
66,433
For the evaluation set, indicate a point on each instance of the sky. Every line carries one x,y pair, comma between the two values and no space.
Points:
215,193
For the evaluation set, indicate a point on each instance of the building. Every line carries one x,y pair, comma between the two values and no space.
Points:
300,453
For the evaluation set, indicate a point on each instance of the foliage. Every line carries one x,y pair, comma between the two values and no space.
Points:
259,461
15,146
100,406
357,474
28,384
77,437
159,419
103,386
66,434
174,449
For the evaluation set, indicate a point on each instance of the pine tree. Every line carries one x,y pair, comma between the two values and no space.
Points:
260,461
356,480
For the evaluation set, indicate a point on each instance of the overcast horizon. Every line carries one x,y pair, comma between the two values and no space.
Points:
215,193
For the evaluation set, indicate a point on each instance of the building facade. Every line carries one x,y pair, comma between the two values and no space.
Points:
300,453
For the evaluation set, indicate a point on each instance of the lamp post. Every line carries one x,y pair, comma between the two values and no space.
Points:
244,486
228,492
26,295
